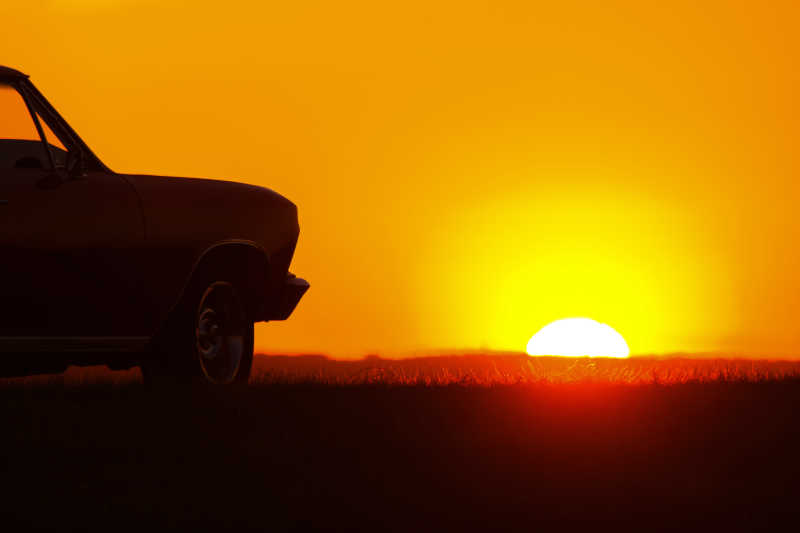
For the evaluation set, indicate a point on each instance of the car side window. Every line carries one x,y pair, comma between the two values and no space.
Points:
20,144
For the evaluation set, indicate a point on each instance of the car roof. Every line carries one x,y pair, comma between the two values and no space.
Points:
6,72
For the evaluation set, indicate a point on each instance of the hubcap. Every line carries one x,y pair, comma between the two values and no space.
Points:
220,333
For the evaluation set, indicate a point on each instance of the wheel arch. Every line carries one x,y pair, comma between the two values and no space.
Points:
242,262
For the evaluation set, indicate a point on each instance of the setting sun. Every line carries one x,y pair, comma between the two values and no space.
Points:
575,337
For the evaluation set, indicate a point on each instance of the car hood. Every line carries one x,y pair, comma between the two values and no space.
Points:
212,210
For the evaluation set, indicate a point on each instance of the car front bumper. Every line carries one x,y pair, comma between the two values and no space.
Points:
288,297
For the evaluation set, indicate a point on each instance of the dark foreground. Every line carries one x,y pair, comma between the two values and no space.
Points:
402,458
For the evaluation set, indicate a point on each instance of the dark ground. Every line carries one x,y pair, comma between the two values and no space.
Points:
402,458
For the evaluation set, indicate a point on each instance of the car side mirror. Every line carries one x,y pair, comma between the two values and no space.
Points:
75,164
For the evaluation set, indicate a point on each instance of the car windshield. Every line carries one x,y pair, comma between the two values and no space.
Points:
20,143
16,120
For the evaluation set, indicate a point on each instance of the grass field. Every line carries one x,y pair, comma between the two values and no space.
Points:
470,369
458,443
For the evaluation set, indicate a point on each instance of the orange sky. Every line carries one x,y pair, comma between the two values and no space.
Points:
467,172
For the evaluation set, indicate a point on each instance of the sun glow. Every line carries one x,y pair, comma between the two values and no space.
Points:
575,337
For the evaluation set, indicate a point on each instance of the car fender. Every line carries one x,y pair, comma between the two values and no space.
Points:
245,261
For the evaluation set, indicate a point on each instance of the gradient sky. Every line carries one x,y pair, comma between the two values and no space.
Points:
467,172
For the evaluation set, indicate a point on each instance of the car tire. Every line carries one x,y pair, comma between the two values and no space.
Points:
208,341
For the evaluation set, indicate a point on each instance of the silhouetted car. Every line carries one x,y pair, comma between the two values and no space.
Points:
104,268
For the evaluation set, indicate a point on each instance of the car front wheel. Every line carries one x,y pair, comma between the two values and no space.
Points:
223,335
211,340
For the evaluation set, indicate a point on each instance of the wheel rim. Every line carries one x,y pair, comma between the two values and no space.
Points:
220,329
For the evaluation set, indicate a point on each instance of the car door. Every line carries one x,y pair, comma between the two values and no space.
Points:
65,241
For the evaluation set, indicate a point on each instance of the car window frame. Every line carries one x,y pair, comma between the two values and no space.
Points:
40,113
34,117
59,126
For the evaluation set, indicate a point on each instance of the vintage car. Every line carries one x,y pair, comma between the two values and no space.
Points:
104,268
